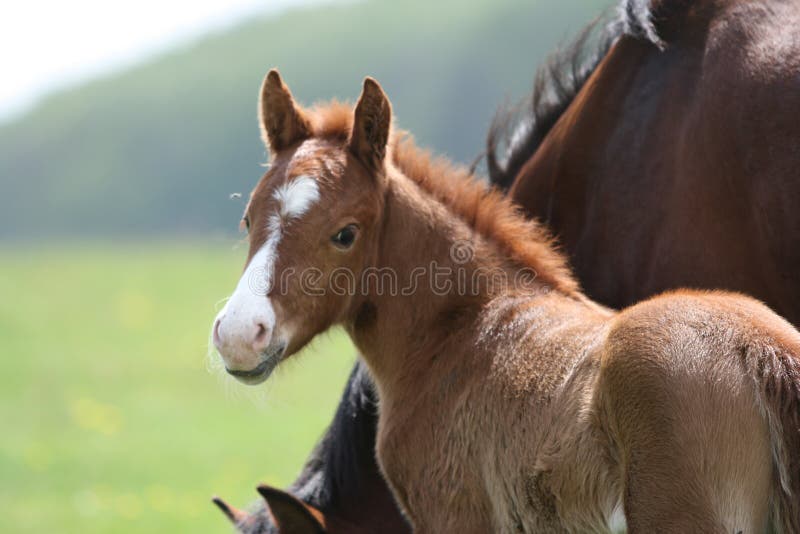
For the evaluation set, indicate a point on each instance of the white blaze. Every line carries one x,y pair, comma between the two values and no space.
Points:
297,196
249,305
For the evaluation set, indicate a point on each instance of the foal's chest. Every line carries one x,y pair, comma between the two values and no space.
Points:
459,464
430,450
455,467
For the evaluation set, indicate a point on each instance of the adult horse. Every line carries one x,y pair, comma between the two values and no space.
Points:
685,139
510,402
676,166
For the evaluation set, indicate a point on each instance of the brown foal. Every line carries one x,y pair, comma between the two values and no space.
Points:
509,401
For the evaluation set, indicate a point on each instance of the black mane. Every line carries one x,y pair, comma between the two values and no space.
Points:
521,128
346,453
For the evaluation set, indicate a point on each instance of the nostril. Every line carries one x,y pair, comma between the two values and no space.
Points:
215,335
261,335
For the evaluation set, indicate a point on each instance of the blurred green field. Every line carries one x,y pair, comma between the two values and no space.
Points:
111,420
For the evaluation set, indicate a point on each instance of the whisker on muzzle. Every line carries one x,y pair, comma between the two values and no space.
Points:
234,390
221,302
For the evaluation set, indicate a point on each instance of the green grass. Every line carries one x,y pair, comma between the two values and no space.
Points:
111,421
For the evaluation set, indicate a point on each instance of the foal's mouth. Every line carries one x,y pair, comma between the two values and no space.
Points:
270,358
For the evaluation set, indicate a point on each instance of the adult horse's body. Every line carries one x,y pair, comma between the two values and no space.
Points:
679,167
510,402
688,154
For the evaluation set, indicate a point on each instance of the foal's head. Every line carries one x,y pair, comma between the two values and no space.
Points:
313,214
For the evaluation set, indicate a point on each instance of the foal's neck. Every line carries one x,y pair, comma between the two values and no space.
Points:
445,274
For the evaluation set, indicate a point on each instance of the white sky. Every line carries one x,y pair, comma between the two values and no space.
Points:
47,44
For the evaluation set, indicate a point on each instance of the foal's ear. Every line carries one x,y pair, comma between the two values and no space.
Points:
291,515
283,123
371,125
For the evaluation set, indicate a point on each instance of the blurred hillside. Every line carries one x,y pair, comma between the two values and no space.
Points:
157,149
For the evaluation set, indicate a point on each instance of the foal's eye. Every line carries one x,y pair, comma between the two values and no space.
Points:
246,223
345,237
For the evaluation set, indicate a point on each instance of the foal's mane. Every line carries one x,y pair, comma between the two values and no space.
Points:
522,127
478,204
